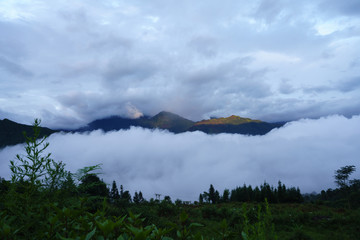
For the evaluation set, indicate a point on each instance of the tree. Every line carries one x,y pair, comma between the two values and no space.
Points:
35,178
141,198
37,168
342,176
93,186
126,197
226,195
212,196
201,199
167,199
68,187
121,191
348,187
217,196
136,198
114,192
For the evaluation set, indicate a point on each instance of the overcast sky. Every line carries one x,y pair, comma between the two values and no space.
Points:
70,62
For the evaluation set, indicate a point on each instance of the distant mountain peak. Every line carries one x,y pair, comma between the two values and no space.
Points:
166,113
171,121
232,120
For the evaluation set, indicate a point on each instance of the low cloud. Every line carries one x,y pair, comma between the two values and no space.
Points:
304,153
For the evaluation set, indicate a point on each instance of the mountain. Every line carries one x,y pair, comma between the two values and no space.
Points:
234,124
112,123
232,120
251,128
177,124
11,133
170,121
163,120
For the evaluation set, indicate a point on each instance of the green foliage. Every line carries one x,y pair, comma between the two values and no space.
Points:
281,194
91,185
342,176
262,228
38,169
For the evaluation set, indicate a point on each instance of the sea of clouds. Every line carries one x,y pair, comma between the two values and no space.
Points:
303,153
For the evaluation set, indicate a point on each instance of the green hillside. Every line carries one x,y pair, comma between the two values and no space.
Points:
11,133
232,120
171,122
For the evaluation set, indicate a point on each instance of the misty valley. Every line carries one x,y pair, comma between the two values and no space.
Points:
43,200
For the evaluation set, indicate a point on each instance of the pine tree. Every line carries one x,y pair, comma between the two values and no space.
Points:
141,198
201,198
136,198
212,194
114,193
226,195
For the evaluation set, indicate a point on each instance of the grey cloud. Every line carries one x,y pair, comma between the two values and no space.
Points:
355,63
12,42
204,45
127,71
289,109
344,85
187,58
318,89
350,7
285,87
90,106
349,85
231,77
14,68
184,165
269,10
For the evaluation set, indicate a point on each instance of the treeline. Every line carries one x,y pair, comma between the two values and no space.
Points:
281,194
347,194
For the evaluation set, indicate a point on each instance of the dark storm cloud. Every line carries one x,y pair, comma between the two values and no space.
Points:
184,165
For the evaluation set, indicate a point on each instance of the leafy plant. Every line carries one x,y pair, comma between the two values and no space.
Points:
36,168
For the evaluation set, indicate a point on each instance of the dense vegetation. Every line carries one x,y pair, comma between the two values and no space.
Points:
44,201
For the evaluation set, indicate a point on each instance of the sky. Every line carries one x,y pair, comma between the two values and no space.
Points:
71,62
302,154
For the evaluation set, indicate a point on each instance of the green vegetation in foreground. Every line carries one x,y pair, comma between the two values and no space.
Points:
44,201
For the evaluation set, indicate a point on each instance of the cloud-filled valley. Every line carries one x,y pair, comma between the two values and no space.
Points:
303,153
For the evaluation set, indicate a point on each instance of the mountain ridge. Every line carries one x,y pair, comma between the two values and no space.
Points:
232,120
11,132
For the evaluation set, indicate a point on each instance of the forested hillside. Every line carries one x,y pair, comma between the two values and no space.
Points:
11,133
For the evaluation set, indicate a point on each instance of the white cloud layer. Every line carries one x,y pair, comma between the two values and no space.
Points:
70,62
304,153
